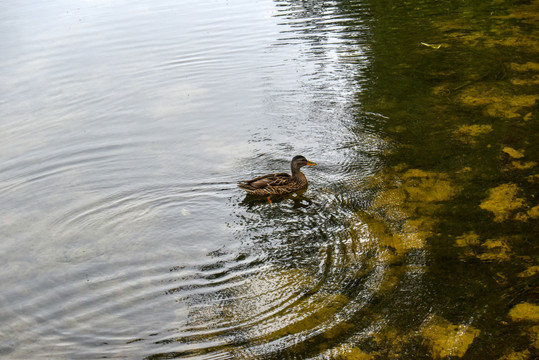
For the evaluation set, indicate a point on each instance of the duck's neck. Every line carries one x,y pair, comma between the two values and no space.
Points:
296,173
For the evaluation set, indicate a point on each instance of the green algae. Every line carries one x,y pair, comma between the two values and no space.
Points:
497,100
495,250
423,186
446,339
529,66
350,353
525,312
411,197
534,212
533,81
530,271
520,165
515,154
468,239
316,315
517,355
393,339
533,334
503,201
468,133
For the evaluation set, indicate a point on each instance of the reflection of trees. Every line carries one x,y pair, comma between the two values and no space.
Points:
326,27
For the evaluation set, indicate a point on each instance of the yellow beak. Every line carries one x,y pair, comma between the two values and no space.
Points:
310,163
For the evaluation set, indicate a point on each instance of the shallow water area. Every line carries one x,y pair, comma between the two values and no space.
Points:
125,128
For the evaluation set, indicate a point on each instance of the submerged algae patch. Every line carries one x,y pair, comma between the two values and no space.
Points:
423,186
350,354
517,355
474,130
497,101
495,250
468,133
314,315
532,270
446,339
534,212
410,201
517,165
533,81
411,235
502,201
525,312
468,239
393,339
515,154
533,333
529,66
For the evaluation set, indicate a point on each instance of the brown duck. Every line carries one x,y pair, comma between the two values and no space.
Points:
280,183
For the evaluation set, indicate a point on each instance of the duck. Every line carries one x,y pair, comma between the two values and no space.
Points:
279,183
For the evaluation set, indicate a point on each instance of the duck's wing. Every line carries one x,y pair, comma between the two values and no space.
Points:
261,182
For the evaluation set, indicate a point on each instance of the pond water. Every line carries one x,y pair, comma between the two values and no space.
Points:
125,127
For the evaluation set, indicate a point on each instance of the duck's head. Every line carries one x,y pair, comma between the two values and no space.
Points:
300,161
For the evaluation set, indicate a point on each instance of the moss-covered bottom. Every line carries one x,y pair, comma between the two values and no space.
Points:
460,185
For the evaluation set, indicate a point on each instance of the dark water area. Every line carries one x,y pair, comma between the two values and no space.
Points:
125,127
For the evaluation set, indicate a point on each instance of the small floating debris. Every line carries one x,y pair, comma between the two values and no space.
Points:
434,46
185,212
376,114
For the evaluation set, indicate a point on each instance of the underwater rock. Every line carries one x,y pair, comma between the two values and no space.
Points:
446,339
502,201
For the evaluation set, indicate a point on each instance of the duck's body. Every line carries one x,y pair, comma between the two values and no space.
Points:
280,183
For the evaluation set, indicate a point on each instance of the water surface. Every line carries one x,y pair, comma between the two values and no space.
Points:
126,126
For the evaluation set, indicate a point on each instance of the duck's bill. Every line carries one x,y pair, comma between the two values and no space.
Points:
310,163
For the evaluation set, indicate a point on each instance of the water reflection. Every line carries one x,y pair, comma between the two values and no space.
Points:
299,200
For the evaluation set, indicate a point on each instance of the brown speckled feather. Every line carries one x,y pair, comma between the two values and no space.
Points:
272,184
280,183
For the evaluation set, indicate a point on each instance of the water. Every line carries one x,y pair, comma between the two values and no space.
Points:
125,128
